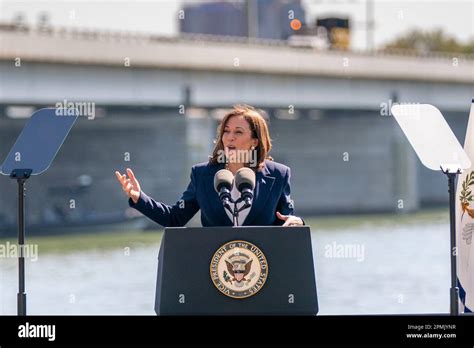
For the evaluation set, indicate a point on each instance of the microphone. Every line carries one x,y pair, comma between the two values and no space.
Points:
223,182
245,183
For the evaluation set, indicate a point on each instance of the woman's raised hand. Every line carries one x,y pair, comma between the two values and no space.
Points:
130,185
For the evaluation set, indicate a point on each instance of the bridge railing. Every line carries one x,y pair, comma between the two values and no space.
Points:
71,33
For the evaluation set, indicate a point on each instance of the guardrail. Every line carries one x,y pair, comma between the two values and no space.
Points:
143,37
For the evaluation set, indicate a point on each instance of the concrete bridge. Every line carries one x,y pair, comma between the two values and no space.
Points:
158,100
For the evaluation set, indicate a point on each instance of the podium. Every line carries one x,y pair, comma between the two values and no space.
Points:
261,270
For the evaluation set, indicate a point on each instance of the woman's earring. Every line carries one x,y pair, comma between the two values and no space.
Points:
253,147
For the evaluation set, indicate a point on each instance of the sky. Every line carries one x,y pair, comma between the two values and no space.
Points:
392,18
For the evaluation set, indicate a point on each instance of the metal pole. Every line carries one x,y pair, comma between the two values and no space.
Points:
21,298
236,214
454,294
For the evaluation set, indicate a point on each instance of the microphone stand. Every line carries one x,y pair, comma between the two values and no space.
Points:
235,213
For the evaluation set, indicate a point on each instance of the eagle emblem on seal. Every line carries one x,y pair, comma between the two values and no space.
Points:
239,269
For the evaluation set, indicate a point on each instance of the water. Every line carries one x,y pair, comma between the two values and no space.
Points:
403,269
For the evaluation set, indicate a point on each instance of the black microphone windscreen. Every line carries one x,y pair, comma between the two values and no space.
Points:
245,177
224,178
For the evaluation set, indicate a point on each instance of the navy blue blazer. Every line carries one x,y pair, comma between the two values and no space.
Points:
271,194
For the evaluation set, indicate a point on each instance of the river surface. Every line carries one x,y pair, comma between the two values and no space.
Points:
363,270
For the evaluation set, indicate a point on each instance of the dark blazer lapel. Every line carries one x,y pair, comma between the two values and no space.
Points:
212,198
263,186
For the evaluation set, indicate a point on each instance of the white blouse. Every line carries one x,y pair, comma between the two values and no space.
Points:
243,214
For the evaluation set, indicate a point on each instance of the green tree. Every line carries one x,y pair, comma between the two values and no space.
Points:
430,41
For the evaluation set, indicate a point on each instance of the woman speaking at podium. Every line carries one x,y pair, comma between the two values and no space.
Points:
242,140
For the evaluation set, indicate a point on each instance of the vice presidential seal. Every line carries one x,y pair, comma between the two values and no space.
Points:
239,269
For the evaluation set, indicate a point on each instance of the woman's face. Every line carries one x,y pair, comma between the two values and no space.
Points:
237,135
